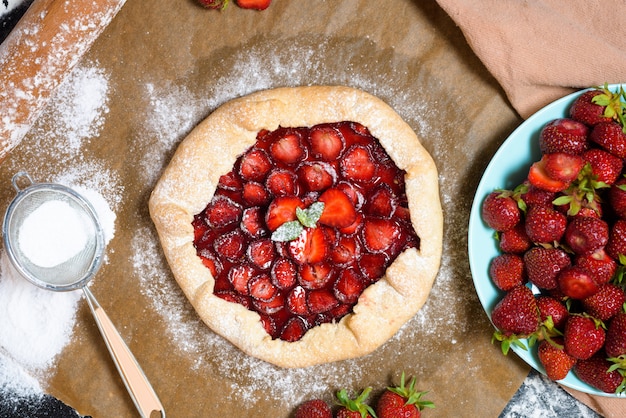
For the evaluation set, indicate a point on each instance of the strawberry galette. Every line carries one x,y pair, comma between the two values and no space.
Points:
303,224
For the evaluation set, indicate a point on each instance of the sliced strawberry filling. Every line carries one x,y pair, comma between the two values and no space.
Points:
305,221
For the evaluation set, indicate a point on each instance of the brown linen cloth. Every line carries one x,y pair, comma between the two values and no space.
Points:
542,50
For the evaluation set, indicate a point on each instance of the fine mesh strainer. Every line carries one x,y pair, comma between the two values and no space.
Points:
73,269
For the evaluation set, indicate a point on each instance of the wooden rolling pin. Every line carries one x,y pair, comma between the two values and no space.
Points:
41,50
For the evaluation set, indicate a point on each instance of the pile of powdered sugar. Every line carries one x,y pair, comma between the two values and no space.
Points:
37,324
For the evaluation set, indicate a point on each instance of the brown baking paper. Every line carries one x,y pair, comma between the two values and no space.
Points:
165,67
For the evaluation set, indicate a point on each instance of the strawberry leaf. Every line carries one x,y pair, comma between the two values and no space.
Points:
288,231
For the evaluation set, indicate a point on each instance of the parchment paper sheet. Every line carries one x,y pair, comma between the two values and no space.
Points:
168,65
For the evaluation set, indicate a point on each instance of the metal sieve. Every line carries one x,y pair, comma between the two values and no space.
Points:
74,272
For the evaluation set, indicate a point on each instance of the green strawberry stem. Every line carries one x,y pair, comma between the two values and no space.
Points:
412,396
358,404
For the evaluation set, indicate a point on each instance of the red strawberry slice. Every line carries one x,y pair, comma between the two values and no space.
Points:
281,183
270,307
316,276
231,245
239,276
261,288
294,329
358,164
222,212
321,300
373,266
297,301
255,164
338,211
310,247
281,210
252,222
345,251
563,167
538,177
229,181
379,234
353,192
255,194
326,142
287,149
349,286
210,262
261,253
317,176
284,273
382,202
354,227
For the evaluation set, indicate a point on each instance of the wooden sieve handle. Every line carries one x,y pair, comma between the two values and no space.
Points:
41,50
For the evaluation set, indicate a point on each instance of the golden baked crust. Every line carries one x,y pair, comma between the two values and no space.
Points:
191,178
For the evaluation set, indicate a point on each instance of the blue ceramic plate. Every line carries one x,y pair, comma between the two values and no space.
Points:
507,169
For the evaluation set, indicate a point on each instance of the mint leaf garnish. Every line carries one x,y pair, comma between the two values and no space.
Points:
288,231
309,216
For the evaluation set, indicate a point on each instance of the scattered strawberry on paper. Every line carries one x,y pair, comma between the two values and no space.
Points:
244,4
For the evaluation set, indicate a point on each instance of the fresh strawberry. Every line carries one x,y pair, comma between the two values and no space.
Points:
585,235
349,286
563,167
310,247
287,148
281,183
595,372
294,329
611,137
554,359
544,264
222,212
282,210
539,177
255,164
533,196
507,271
604,165
606,302
600,263
514,240
316,276
545,225
339,212
254,4
321,300
577,282
255,194
261,253
314,408
553,308
213,4
515,316
379,234
615,344
358,164
584,336
317,176
252,222
500,211
239,276
326,142
354,407
297,301
231,245
617,197
585,110
283,273
261,288
617,239
563,135
402,401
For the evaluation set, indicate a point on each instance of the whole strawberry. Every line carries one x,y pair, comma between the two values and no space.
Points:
314,408
554,359
544,264
604,165
514,240
611,137
617,197
606,302
507,271
617,239
553,308
586,110
515,316
563,135
254,4
213,4
596,371
615,344
602,265
402,402
500,211
584,336
354,408
545,225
